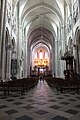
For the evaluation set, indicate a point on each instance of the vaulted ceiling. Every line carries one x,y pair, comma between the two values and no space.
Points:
41,18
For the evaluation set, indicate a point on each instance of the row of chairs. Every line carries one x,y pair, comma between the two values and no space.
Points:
64,85
18,85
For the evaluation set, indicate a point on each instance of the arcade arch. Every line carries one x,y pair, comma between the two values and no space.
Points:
77,35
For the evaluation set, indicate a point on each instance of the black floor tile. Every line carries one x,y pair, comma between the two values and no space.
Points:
59,118
50,95
15,95
57,94
10,100
17,103
73,93
72,111
40,103
3,97
25,117
78,98
52,100
72,100
67,95
30,100
22,98
28,107
41,96
41,112
11,112
60,97
3,106
64,103
78,106
55,107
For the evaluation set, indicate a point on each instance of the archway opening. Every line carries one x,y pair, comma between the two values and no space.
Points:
40,64
78,50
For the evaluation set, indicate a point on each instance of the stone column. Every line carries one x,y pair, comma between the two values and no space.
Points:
51,63
63,40
18,41
8,72
79,4
78,59
58,49
75,52
1,32
25,59
65,29
9,65
56,58
3,41
52,58
28,60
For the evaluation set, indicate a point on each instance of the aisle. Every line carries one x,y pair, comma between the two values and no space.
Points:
41,103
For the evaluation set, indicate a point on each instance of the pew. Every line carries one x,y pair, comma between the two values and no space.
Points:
18,85
64,85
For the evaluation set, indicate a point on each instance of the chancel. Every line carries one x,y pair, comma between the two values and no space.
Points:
39,59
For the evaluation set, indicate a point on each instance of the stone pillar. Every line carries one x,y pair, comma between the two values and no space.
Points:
65,29
63,41
8,72
3,33
57,50
28,61
2,16
56,58
52,58
9,63
51,62
79,4
75,52
18,42
25,59
78,59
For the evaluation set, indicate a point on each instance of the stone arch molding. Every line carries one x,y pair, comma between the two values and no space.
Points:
7,40
77,45
77,35
70,44
51,30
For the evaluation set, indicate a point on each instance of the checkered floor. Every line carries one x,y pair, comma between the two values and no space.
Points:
40,103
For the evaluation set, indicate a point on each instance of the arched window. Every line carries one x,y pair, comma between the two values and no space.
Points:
46,55
35,55
41,55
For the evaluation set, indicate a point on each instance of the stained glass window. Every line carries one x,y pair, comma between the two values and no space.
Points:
41,55
46,55
35,55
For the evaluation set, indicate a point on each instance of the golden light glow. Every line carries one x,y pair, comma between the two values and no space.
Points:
42,58
41,62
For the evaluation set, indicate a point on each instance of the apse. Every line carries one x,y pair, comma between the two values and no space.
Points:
40,60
